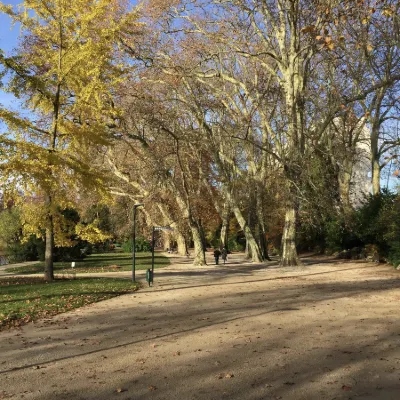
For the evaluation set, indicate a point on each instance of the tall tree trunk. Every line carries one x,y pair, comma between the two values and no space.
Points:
49,243
375,155
376,168
251,241
202,234
289,252
199,255
376,178
263,242
225,227
252,220
180,240
344,180
261,225
247,250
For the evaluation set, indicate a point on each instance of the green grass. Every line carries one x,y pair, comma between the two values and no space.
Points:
107,262
27,299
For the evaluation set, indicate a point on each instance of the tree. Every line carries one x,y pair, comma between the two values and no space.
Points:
283,43
374,57
64,71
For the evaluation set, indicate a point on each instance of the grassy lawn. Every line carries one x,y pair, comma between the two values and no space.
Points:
27,299
107,262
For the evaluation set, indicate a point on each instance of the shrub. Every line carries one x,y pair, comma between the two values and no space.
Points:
27,251
340,234
141,245
372,231
394,254
235,244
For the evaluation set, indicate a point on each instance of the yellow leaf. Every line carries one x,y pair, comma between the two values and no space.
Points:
387,12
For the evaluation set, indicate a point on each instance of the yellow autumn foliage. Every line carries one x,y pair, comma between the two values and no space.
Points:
65,72
91,232
66,231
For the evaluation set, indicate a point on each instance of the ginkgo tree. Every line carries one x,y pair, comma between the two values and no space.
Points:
64,72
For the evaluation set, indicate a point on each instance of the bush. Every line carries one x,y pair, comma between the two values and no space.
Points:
104,247
378,221
28,251
340,234
394,254
235,244
141,245
375,227
372,231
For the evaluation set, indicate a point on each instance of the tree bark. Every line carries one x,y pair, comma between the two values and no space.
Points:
261,225
180,240
251,241
375,165
49,243
375,154
199,255
344,179
225,228
252,220
376,177
289,251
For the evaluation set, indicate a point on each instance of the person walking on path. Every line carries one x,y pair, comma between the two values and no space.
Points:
224,254
217,253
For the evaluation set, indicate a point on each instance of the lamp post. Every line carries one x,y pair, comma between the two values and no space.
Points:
134,240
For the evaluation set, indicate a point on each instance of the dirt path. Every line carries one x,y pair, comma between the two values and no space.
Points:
5,266
328,330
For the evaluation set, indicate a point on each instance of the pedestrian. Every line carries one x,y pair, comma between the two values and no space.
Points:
224,254
217,253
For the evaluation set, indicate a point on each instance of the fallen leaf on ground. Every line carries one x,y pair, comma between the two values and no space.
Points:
346,388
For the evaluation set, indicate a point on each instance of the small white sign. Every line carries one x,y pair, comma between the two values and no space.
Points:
73,264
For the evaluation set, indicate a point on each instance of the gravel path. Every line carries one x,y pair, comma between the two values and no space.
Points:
328,330
5,266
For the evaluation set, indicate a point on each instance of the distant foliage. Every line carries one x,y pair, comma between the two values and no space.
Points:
340,234
29,250
375,225
235,244
141,245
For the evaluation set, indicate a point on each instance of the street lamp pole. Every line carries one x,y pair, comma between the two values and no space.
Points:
135,206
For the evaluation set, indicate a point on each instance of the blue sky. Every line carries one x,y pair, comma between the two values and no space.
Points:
8,35
8,40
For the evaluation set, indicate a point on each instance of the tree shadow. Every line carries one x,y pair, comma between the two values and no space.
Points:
287,339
